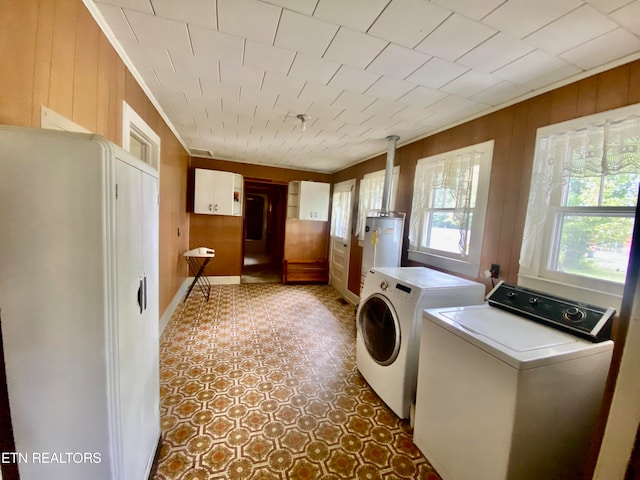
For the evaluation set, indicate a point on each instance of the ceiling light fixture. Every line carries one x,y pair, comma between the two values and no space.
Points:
303,121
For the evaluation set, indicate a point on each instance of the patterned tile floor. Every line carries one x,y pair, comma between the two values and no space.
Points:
261,383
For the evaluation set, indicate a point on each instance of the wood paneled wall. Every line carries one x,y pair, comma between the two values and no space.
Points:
514,131
54,54
304,240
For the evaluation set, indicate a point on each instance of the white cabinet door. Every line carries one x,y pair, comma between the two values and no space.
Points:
137,260
203,191
130,319
149,342
222,193
314,201
217,193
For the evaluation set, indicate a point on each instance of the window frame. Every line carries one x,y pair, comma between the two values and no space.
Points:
134,125
468,265
539,275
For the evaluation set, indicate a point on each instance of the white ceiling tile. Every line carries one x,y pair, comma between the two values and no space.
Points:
451,104
257,98
196,12
240,76
353,117
317,69
353,79
282,84
573,29
146,57
268,58
422,97
616,44
196,65
436,73
318,93
293,105
216,44
383,107
355,14
397,62
495,53
470,8
178,82
304,34
325,112
390,88
302,6
117,22
412,114
536,70
139,5
522,17
455,37
353,101
408,22
260,25
629,16
471,83
608,6
354,48
158,32
501,93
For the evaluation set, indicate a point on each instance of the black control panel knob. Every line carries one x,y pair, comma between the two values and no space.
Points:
574,314
534,300
511,295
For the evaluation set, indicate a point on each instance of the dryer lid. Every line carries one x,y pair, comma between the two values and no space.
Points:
517,341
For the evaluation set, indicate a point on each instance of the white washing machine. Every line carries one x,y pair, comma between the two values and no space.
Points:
388,324
502,396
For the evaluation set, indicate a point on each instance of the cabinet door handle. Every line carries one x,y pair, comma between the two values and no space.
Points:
145,292
210,207
140,294
216,208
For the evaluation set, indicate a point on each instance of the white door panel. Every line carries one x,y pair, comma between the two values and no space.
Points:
341,213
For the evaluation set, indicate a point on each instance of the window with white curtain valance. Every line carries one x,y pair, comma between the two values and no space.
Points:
450,194
582,199
370,201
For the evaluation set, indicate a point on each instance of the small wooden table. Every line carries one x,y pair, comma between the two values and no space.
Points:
198,258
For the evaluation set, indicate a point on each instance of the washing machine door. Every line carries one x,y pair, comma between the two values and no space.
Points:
378,324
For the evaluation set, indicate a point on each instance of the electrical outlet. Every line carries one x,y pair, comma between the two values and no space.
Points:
494,271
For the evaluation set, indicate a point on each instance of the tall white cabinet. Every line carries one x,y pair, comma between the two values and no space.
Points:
79,304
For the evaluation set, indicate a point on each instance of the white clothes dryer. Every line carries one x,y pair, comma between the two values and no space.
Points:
388,326
502,396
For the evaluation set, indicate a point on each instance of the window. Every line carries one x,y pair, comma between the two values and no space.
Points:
582,202
341,209
370,201
450,193
138,138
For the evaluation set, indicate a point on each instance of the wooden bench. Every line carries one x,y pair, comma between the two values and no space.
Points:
299,271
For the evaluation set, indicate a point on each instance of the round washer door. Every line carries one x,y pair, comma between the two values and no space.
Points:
380,329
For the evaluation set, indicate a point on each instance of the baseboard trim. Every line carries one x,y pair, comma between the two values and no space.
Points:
222,280
352,297
168,313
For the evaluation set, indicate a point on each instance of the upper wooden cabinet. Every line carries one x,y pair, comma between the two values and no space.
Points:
217,193
308,200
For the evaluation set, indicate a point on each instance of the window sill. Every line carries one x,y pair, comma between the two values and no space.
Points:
573,292
468,269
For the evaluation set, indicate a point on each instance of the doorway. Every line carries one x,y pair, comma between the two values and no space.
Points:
264,224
